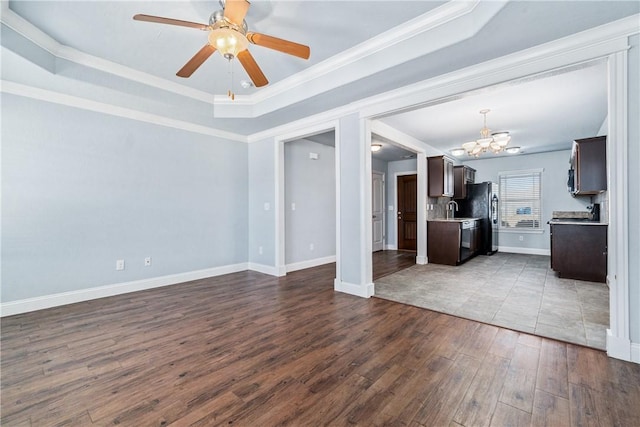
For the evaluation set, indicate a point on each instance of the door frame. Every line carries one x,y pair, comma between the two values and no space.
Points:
384,206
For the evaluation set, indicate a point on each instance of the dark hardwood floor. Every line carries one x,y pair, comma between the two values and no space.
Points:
248,349
388,262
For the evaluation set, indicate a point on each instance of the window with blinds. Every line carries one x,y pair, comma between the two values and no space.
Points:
521,200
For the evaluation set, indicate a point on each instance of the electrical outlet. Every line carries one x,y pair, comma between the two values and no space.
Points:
311,246
293,206
147,261
260,250
521,238
120,264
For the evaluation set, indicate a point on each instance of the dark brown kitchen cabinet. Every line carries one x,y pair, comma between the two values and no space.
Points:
443,242
579,251
440,172
452,242
589,165
462,175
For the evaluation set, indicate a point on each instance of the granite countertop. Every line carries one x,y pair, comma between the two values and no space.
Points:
575,221
453,219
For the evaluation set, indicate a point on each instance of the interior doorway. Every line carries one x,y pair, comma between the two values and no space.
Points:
308,201
407,213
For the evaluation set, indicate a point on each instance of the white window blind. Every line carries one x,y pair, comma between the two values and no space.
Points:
521,200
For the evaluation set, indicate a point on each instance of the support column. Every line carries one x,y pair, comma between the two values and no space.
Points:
353,270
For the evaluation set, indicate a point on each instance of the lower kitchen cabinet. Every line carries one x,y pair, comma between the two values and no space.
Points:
443,242
579,251
451,242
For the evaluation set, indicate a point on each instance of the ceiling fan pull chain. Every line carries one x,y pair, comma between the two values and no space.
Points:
230,93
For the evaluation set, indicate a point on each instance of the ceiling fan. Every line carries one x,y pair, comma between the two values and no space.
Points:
228,33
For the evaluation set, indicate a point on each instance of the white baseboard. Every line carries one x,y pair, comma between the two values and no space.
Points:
265,269
48,301
390,247
621,348
526,251
310,263
364,291
421,260
635,352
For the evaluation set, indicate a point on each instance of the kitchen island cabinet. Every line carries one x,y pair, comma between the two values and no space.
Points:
579,250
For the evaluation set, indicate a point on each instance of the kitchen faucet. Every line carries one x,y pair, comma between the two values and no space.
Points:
450,208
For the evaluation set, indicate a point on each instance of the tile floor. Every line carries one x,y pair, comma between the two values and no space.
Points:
516,291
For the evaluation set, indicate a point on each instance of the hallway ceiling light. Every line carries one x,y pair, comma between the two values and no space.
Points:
495,142
375,147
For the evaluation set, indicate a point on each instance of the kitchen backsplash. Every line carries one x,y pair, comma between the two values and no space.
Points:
603,199
439,205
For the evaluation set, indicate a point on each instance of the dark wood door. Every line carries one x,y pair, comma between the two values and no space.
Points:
407,212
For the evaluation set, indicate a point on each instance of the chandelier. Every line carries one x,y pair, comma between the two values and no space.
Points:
488,142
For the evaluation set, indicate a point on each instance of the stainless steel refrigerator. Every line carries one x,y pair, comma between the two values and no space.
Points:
482,202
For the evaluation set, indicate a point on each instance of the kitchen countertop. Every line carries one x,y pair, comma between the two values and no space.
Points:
453,219
573,221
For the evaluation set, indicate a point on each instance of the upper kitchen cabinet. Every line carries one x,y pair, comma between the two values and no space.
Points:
462,175
588,166
440,170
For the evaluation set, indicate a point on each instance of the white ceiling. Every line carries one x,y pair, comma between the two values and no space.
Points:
94,50
543,113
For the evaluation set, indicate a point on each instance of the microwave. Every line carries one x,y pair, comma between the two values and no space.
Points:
571,182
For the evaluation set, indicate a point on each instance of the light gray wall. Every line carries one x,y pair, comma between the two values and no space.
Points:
393,168
262,184
311,186
555,196
378,165
82,189
634,186
351,213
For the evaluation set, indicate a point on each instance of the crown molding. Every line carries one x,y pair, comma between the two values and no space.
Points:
577,48
383,50
395,46
19,89
44,41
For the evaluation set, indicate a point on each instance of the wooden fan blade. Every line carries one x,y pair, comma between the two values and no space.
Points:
236,10
170,21
251,66
280,45
197,60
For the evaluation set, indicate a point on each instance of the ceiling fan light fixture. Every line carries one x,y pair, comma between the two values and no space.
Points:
228,42
376,147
